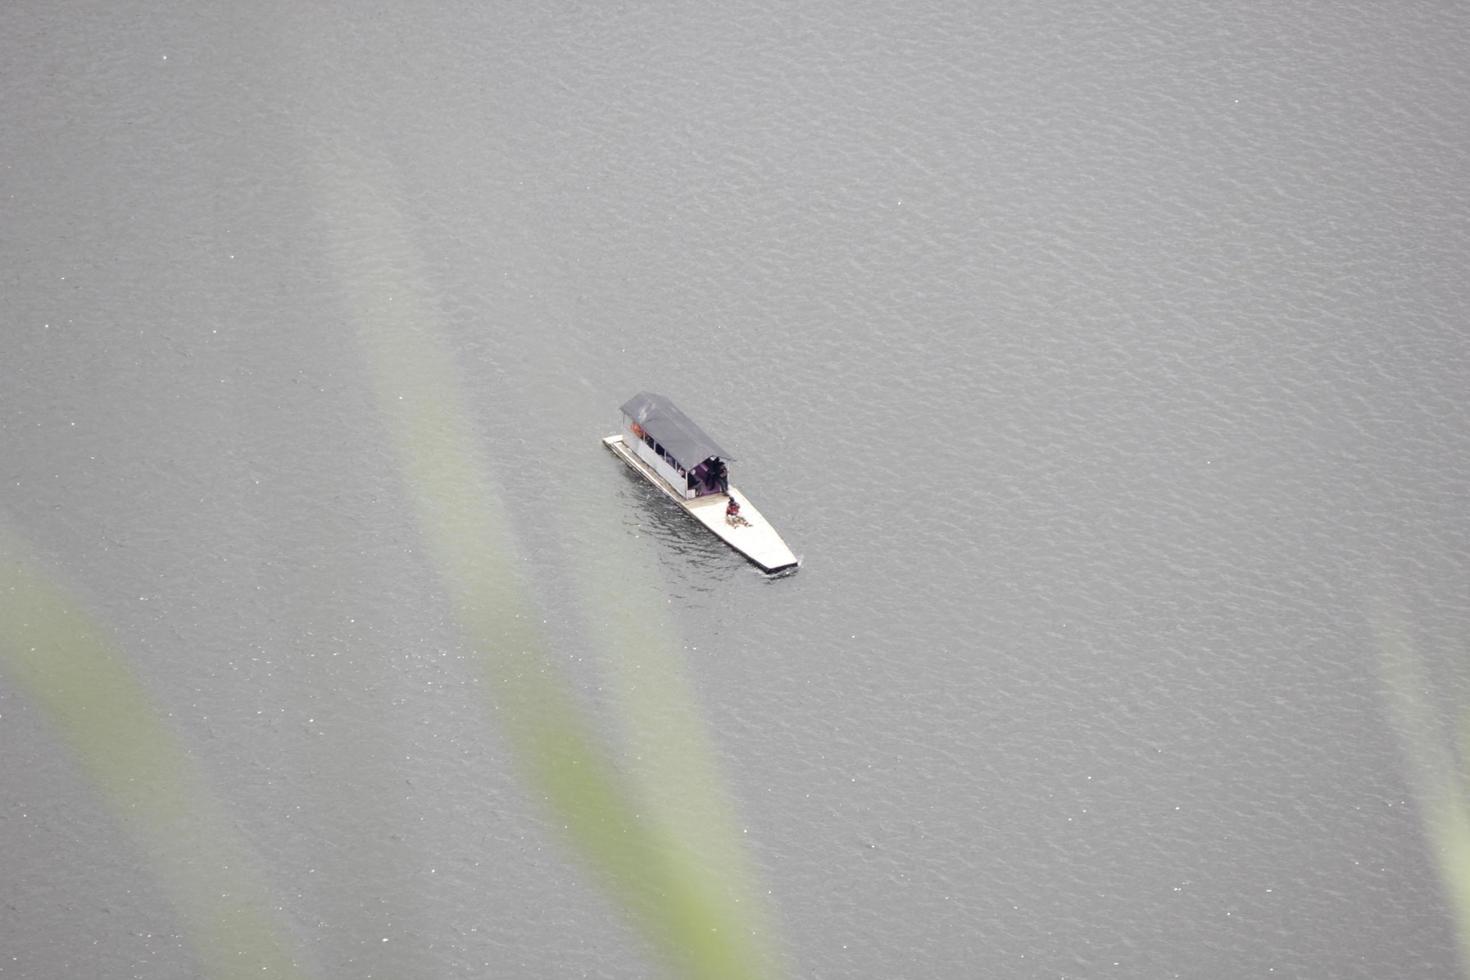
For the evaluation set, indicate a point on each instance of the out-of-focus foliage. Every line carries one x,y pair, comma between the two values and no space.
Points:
67,666
1439,779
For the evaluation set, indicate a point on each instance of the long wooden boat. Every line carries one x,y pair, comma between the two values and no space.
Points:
667,449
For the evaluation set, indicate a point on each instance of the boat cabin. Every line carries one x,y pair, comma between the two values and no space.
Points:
681,452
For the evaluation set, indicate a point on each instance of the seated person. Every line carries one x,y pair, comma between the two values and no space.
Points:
732,513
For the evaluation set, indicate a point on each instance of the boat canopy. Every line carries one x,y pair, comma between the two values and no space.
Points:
672,429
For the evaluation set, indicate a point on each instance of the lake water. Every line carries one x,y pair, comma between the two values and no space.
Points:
1107,364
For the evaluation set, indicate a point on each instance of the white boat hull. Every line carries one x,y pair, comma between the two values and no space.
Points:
756,539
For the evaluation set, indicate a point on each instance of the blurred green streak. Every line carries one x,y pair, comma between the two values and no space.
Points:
1440,783
675,776
681,889
85,688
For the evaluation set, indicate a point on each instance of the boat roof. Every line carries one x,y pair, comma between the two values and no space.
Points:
674,430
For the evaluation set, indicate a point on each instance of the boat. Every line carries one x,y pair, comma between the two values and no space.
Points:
665,447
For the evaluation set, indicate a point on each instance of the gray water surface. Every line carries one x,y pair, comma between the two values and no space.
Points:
1107,364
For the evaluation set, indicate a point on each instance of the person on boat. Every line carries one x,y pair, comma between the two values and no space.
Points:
732,514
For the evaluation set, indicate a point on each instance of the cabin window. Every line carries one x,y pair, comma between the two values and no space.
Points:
648,440
658,449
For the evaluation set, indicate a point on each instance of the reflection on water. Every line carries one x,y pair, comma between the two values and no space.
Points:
682,541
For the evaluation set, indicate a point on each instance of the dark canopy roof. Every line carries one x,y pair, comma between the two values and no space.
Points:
672,429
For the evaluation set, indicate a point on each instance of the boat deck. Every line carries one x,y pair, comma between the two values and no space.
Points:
756,540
